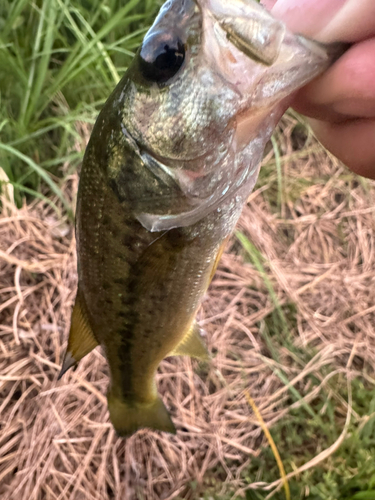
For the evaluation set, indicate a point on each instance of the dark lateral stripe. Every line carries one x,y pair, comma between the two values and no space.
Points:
130,320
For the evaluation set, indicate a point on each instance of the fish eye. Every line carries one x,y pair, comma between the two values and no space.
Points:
161,57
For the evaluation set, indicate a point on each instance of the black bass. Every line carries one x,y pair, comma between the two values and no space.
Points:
172,158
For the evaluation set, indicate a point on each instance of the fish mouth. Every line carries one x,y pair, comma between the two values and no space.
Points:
256,53
249,27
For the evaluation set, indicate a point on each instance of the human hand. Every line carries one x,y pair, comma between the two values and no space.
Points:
340,103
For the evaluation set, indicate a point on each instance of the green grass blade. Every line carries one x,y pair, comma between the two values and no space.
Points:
43,175
364,495
36,47
103,53
16,8
44,58
293,390
256,258
34,194
74,63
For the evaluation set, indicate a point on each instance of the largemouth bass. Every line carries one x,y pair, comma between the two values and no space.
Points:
172,158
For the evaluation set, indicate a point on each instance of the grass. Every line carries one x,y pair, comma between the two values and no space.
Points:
256,257
349,474
59,60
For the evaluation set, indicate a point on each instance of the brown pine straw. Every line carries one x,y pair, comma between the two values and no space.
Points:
56,441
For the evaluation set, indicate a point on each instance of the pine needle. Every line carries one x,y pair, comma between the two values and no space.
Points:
271,442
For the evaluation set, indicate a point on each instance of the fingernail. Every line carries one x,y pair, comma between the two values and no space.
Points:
309,17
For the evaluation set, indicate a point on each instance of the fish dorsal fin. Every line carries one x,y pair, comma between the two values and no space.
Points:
81,338
192,344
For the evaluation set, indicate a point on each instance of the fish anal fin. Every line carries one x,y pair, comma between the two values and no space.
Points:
192,344
81,338
68,362
128,417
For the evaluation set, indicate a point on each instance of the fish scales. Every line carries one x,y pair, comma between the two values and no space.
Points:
171,160
135,312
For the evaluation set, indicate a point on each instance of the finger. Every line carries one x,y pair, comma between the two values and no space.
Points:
352,142
268,3
347,89
335,20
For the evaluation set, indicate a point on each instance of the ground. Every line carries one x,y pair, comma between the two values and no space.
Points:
289,318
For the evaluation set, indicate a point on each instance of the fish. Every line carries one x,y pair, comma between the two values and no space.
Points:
171,161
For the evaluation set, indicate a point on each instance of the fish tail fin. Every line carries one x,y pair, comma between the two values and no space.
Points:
129,416
81,338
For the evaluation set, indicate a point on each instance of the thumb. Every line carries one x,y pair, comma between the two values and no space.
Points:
332,21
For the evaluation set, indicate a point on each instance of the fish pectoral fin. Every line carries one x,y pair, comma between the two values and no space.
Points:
129,416
81,338
217,259
192,345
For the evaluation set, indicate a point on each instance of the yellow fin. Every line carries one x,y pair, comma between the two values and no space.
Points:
192,344
217,258
81,338
129,416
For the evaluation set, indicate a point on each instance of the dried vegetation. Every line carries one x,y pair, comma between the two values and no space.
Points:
290,308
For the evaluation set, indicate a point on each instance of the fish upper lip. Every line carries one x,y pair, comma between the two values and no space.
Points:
262,84
250,27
